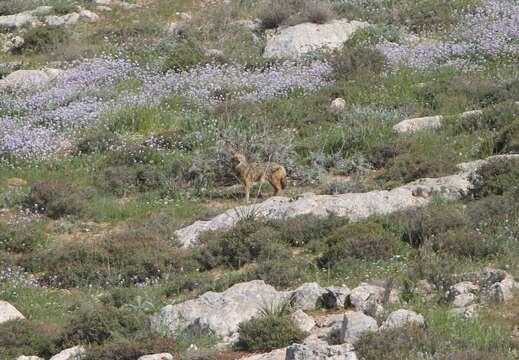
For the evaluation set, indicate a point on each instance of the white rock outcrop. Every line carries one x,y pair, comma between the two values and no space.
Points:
17,21
303,321
320,350
9,312
29,79
355,206
429,122
279,354
73,353
23,357
163,356
218,314
294,41
355,324
401,318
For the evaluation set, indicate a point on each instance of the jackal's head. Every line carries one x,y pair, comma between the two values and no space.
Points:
237,157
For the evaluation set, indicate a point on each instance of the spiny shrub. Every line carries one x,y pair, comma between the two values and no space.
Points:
95,324
124,179
497,177
364,241
349,63
269,332
43,38
19,337
237,246
56,199
21,237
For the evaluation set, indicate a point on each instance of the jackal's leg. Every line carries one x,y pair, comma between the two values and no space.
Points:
276,185
247,185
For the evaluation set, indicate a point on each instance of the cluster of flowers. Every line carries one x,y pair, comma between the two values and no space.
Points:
39,125
488,31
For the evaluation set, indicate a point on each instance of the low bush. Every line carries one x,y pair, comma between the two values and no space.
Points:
124,179
293,12
269,332
21,237
497,178
343,187
466,243
43,38
96,324
56,199
96,140
364,241
349,63
184,54
19,337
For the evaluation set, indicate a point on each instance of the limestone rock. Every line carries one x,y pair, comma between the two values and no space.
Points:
16,21
401,318
67,19
9,312
73,353
278,354
462,294
163,356
307,297
368,299
337,106
88,16
303,321
355,324
464,312
218,313
294,41
27,79
498,285
335,297
23,357
10,42
320,351
429,122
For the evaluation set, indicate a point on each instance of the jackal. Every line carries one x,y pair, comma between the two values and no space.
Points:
274,173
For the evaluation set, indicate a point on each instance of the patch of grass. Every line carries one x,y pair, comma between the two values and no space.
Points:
44,39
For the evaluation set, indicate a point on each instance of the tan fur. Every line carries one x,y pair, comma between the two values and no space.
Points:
250,173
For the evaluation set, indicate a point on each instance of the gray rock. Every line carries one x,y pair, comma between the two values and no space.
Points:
67,19
368,299
429,122
103,8
103,2
278,354
27,79
337,106
163,356
502,290
401,318
468,312
355,324
307,297
10,42
303,321
9,312
74,353
294,41
335,297
320,351
16,21
88,16
23,357
355,206
462,294
218,314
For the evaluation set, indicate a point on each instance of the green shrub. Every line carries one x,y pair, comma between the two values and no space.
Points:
269,332
21,237
97,140
497,177
283,271
237,246
465,243
343,187
124,179
44,38
293,12
131,155
56,199
412,166
368,241
349,63
98,324
185,53
19,337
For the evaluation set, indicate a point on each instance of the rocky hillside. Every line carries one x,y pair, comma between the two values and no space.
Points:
124,232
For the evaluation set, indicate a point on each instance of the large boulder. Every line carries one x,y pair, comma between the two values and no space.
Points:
16,21
218,314
401,318
498,285
355,324
294,41
307,297
368,299
303,321
462,294
335,297
74,353
9,312
320,350
29,79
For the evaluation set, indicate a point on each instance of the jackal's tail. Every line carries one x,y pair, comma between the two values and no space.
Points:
284,180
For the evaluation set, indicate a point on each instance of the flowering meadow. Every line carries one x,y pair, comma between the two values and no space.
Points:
487,31
39,124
